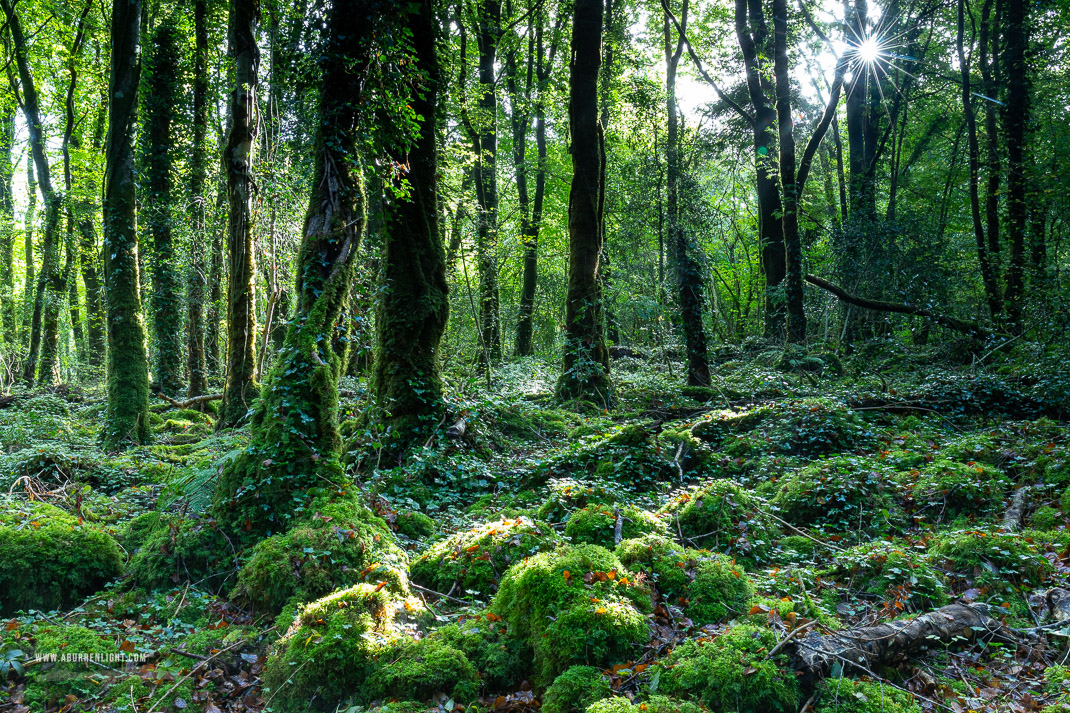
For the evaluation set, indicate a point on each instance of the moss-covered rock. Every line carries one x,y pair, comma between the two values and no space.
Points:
331,649
845,695
50,559
989,557
654,704
503,661
49,685
174,549
342,543
475,559
844,494
575,690
568,495
661,561
574,606
414,524
958,488
596,524
720,588
721,515
417,670
630,457
891,572
732,673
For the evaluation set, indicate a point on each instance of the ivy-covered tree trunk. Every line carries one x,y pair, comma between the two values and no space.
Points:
30,278
1016,111
213,360
90,257
128,374
157,161
195,280
487,179
240,388
294,451
44,329
413,304
520,101
686,268
585,372
8,307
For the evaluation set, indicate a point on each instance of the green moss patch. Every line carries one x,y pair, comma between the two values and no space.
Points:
949,489
722,516
417,670
844,494
596,524
892,573
845,695
575,690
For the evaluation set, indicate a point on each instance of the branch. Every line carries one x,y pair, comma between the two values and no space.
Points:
822,127
971,329
190,402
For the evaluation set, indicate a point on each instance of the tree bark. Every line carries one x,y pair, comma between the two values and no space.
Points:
521,104
128,375
487,178
1016,111
90,255
195,280
8,308
30,282
585,373
240,388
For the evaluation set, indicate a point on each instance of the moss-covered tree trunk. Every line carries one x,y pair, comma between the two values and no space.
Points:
487,179
8,307
213,361
44,329
195,280
413,303
128,374
90,257
585,372
30,278
240,388
1016,111
294,452
157,161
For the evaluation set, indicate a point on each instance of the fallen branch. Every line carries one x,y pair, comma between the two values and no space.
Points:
869,646
1013,517
971,329
190,402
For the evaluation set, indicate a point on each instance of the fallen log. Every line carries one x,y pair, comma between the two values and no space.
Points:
971,329
1013,517
866,647
190,402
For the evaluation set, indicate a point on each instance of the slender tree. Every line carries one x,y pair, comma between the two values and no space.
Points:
90,253
1016,110
195,280
128,374
30,279
240,388
8,308
585,372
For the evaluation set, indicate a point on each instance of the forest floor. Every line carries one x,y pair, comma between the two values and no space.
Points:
722,549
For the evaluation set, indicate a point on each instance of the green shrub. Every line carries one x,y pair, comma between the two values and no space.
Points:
417,670
502,660
573,606
843,494
50,559
475,559
891,572
342,544
845,695
575,690
960,489
721,515
331,650
731,673
596,524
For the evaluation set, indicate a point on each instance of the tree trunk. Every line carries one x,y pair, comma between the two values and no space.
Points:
487,179
128,374
413,306
90,256
686,269
585,373
295,442
8,309
212,357
240,388
44,334
195,280
1015,120
30,283
520,119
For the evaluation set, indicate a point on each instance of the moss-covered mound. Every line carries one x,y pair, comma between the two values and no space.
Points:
502,660
476,559
575,690
414,524
654,704
417,670
722,516
664,563
167,549
596,524
630,457
951,489
50,559
845,695
48,686
331,649
568,495
731,673
844,494
892,573
979,558
573,606
343,543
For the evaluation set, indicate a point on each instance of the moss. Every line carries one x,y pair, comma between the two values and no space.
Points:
654,704
596,524
694,457
973,447
568,495
702,394
793,545
980,556
845,695
475,559
732,673
1046,518
341,544
719,588
414,524
503,661
573,606
175,549
893,573
723,516
575,690
662,561
136,530
418,670
134,693
843,494
331,649
960,489
52,684
50,559
630,458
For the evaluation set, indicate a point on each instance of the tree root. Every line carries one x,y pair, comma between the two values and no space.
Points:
866,647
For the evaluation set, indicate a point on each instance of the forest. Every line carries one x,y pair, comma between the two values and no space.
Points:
560,356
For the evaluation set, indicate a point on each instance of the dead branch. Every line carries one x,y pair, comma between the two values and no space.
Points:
1013,517
190,402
